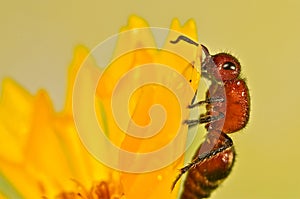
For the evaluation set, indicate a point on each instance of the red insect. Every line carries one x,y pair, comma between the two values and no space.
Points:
228,106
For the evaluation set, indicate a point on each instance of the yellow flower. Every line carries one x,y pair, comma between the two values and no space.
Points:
41,154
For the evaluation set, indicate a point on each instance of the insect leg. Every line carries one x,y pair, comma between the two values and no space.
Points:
203,119
203,156
206,101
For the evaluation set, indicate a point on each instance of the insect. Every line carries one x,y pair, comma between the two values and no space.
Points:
227,111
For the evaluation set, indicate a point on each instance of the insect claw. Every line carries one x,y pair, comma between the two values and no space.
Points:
194,98
196,104
191,123
175,181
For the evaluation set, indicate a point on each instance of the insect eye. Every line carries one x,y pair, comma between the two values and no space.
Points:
229,66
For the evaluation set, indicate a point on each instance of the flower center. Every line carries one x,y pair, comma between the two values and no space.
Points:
100,190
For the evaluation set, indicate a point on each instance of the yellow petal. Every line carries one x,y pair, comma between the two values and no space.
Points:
80,54
189,28
45,151
157,184
134,22
15,116
16,182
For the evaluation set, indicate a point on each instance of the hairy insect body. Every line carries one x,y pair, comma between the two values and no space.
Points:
227,111
235,108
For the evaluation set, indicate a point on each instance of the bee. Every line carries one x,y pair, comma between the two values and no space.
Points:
227,111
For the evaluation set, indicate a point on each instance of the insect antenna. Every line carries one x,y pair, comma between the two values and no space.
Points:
184,38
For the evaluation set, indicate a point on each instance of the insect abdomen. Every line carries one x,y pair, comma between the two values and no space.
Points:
208,175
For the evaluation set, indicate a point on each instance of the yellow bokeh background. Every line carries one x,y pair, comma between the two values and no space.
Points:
38,39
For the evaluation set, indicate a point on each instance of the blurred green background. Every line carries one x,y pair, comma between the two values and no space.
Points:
38,38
